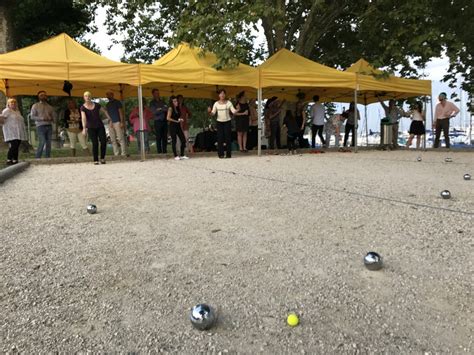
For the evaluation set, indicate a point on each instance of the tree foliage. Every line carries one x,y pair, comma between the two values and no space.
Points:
396,34
33,21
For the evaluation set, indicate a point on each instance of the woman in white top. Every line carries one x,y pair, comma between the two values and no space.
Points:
223,108
417,127
13,130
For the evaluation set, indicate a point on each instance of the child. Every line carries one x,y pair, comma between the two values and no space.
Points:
292,131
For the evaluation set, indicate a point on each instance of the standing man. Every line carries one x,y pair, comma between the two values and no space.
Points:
394,113
116,128
318,113
159,109
444,111
43,115
274,116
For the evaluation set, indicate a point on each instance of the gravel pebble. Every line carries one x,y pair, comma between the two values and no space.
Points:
256,238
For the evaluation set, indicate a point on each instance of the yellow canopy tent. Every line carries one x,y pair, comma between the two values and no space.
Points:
374,85
46,65
285,74
190,72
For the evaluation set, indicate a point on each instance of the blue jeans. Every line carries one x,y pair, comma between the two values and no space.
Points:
45,134
147,143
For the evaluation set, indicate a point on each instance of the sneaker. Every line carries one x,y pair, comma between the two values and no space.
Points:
184,157
177,158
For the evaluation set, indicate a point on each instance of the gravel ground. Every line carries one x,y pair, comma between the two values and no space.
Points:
256,238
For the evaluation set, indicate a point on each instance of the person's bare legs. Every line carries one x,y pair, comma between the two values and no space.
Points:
244,141
418,142
410,140
189,146
239,140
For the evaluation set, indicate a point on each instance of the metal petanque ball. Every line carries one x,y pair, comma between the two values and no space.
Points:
445,194
91,209
418,159
203,317
448,160
373,261
467,177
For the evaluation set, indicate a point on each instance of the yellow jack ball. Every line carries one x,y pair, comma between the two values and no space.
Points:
292,320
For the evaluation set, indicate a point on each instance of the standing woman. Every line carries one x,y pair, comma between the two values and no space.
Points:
93,125
242,121
174,119
417,127
13,130
350,123
73,124
252,140
300,117
135,121
223,108
186,115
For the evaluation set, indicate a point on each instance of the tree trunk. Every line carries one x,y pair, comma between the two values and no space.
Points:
274,26
6,31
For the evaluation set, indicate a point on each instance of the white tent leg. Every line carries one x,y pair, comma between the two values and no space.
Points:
142,125
366,127
259,115
433,133
424,136
356,119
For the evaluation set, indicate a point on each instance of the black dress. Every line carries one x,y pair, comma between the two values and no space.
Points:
417,128
242,122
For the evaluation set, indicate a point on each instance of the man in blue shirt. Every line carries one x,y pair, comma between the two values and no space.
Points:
116,129
160,110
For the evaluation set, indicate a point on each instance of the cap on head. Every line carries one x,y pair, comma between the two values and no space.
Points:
443,96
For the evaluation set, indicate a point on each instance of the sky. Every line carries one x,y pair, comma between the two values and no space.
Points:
435,70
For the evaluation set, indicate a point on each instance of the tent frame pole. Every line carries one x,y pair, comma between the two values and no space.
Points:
142,125
259,115
433,133
356,119
424,136
366,122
